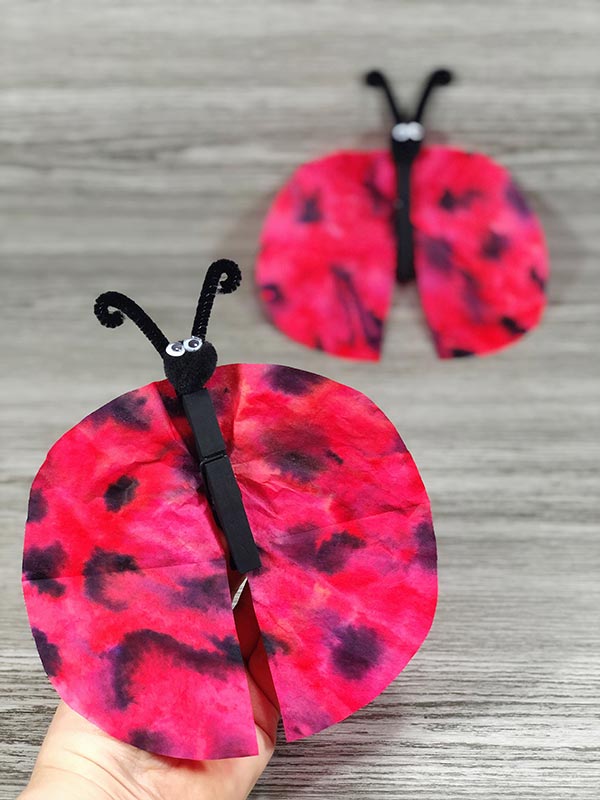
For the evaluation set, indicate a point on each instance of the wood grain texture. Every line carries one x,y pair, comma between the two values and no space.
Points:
138,141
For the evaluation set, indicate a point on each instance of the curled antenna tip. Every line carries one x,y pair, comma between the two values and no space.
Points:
223,277
443,77
124,306
374,78
110,319
233,275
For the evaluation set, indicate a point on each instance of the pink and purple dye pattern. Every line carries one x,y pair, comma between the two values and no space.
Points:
126,579
326,268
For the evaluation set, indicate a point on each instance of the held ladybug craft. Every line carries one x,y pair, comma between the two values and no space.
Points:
347,227
146,515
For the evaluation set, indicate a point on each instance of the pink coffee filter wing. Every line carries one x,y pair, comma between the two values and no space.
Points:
325,271
126,587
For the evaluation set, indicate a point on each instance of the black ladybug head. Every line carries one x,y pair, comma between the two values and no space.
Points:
408,131
188,362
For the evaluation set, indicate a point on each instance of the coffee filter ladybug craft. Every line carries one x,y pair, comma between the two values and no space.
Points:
348,226
146,515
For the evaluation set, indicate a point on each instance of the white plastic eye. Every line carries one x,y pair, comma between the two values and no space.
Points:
408,131
400,132
176,349
192,344
416,131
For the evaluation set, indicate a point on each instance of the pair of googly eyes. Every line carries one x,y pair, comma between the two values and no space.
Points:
177,349
408,132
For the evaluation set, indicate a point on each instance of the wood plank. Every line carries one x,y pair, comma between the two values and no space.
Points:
138,142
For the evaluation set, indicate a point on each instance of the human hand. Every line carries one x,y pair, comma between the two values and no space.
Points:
78,761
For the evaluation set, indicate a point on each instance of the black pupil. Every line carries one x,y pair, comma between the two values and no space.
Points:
194,343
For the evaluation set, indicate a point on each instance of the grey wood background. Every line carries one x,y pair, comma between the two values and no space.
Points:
140,140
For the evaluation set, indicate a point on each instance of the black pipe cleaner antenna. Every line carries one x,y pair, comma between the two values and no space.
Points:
189,363
406,139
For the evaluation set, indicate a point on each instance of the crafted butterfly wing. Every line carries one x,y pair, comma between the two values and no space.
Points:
348,585
126,587
326,269
481,261
125,576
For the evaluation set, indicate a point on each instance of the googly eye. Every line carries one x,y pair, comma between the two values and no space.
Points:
176,349
408,131
400,132
192,344
416,131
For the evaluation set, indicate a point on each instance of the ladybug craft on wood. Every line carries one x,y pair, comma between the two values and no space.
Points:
145,516
348,226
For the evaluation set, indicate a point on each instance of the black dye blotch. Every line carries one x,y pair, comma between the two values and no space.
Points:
334,457
229,647
494,246
120,493
379,200
451,202
426,549
97,571
42,565
136,645
371,325
458,352
512,326
448,201
299,465
537,279
38,506
199,592
273,644
329,557
272,294
187,464
292,381
221,400
173,406
357,650
310,209
438,253
49,653
471,296
297,451
127,410
517,200
153,741
332,554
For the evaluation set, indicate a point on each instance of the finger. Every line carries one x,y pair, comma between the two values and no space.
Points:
71,762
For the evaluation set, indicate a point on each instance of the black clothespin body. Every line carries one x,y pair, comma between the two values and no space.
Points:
189,364
221,486
406,140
